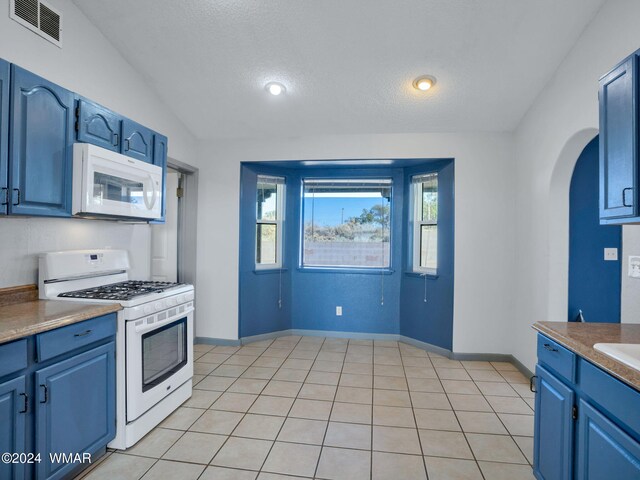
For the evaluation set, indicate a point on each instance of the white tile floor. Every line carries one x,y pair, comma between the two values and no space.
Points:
332,408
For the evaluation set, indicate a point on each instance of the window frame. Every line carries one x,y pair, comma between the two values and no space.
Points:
278,222
418,223
346,268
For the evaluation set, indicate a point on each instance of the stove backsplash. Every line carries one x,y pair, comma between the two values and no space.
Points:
22,239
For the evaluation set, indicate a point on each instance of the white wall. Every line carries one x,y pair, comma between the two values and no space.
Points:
548,142
630,306
22,239
89,65
484,209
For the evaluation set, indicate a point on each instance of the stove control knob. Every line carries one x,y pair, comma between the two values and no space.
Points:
148,309
159,305
172,301
189,296
180,298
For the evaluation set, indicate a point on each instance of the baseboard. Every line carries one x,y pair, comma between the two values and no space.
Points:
352,335
425,346
520,366
266,336
482,357
225,342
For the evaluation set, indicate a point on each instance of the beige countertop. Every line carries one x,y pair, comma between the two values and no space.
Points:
28,316
581,337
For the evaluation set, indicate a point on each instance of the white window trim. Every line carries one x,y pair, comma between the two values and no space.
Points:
279,223
416,206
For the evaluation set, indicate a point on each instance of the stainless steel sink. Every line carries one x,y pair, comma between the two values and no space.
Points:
627,353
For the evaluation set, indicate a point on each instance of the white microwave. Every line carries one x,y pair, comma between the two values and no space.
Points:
110,184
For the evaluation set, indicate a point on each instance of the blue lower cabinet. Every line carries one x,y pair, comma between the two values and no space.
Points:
586,421
75,408
605,452
553,438
13,411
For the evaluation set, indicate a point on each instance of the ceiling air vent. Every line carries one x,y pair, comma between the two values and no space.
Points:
39,17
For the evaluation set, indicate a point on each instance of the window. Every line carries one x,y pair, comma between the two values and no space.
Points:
346,223
269,218
425,223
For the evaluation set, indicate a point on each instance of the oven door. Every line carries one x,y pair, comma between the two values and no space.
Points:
159,358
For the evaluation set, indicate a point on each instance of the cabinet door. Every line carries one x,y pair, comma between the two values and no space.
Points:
160,159
76,407
98,126
137,141
618,149
13,410
41,146
553,438
604,450
4,136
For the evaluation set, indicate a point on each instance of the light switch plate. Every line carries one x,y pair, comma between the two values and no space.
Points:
611,254
339,311
634,266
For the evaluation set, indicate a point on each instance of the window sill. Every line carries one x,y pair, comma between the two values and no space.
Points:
431,276
348,270
267,271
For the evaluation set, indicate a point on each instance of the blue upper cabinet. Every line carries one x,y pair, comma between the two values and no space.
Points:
40,147
75,409
618,142
160,159
137,141
4,136
13,409
99,126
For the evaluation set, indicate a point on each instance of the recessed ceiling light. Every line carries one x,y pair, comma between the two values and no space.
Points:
275,88
424,82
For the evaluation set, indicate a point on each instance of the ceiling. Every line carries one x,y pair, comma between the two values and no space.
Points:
347,65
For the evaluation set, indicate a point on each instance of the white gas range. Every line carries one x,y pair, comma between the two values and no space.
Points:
154,346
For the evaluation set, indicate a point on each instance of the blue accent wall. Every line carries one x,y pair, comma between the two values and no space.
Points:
259,290
594,284
317,292
430,321
310,296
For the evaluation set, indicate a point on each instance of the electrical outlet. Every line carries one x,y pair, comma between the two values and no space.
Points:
338,311
634,267
611,254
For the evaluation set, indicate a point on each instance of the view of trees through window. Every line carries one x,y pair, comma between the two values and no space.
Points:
346,223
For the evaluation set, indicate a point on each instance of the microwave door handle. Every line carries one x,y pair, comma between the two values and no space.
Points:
154,195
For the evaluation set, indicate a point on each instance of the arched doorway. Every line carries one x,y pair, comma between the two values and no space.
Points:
594,283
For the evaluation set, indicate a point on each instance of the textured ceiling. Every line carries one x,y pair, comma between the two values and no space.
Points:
347,64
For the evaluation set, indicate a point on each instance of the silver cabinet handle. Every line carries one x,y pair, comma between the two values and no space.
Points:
624,197
550,348
83,334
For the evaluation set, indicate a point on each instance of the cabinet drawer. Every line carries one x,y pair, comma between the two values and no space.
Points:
557,358
65,339
13,357
618,400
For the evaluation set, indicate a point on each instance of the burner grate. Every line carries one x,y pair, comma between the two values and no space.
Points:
121,291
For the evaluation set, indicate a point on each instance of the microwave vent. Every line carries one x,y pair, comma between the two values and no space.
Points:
39,17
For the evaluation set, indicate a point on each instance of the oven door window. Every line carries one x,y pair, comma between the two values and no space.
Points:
164,352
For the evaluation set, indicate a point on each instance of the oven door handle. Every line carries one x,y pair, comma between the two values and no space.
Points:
147,327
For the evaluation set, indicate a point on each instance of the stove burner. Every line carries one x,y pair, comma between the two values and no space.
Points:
121,291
